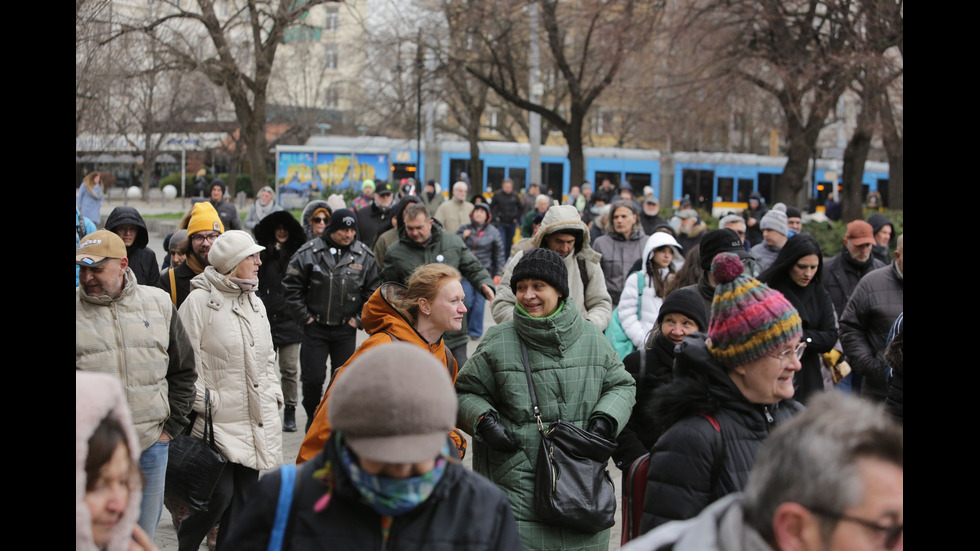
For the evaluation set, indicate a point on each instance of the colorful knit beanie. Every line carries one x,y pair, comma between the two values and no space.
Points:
748,319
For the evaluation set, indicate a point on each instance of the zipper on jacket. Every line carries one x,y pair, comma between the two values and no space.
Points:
769,419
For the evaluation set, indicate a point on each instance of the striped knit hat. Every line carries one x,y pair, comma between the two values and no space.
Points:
748,319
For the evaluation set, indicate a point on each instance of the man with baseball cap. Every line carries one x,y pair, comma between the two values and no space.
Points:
385,478
842,273
203,228
713,243
132,331
326,284
376,217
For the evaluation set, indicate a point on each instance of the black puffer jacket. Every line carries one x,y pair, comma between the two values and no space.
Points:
692,464
639,434
143,261
275,260
841,276
464,513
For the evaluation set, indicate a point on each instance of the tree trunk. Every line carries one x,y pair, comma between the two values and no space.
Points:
895,149
576,156
854,157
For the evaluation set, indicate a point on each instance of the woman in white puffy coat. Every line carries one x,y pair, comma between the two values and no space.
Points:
638,314
236,367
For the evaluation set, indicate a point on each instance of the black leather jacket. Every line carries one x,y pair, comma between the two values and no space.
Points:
331,292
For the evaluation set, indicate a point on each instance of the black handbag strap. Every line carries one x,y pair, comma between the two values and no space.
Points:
530,385
208,421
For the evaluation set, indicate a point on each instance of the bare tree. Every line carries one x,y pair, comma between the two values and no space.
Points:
244,39
587,43
800,52
878,67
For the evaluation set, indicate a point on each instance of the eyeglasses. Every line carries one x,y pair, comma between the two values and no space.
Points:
892,533
319,220
785,355
198,238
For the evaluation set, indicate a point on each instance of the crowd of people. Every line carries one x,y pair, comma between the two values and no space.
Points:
730,335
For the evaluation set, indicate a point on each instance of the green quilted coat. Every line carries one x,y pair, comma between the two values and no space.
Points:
576,375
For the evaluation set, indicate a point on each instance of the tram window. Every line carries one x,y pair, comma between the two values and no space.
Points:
698,184
613,178
639,181
744,189
495,175
883,190
767,186
552,177
519,176
726,189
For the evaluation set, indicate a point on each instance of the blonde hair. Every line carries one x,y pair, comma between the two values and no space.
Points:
425,282
90,180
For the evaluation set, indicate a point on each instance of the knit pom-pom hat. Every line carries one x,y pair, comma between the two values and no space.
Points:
748,319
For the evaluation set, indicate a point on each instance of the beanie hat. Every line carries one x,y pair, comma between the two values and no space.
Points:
411,423
775,219
177,240
484,206
204,218
367,184
230,249
342,219
718,241
543,264
686,302
793,212
220,183
748,318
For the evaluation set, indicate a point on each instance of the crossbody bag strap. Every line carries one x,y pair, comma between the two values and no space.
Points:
530,386
286,487
173,287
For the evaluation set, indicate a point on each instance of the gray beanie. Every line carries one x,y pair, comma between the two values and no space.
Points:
394,403
230,248
543,264
775,219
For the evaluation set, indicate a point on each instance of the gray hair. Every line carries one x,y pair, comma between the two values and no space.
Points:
730,219
458,185
542,197
812,459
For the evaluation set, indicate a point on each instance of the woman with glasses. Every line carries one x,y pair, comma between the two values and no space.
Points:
229,330
796,274
728,392
316,215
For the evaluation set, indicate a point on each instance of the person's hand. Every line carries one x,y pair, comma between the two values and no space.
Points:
496,435
352,322
164,438
487,292
751,221
466,233
496,280
600,426
141,541
309,321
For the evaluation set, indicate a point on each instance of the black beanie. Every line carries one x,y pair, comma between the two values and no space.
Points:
341,219
687,302
718,241
543,264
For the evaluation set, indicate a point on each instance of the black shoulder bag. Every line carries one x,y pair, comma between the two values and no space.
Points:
572,488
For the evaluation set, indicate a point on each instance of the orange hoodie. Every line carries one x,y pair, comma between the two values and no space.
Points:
384,324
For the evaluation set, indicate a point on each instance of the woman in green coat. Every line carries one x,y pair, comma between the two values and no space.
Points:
577,377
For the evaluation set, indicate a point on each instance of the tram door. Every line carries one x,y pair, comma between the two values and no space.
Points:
699,186
767,186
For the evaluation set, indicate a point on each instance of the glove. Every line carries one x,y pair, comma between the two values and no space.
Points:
496,435
600,426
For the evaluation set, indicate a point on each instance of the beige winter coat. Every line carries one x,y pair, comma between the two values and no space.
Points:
236,362
593,301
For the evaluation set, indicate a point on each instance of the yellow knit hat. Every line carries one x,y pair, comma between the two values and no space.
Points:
204,218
